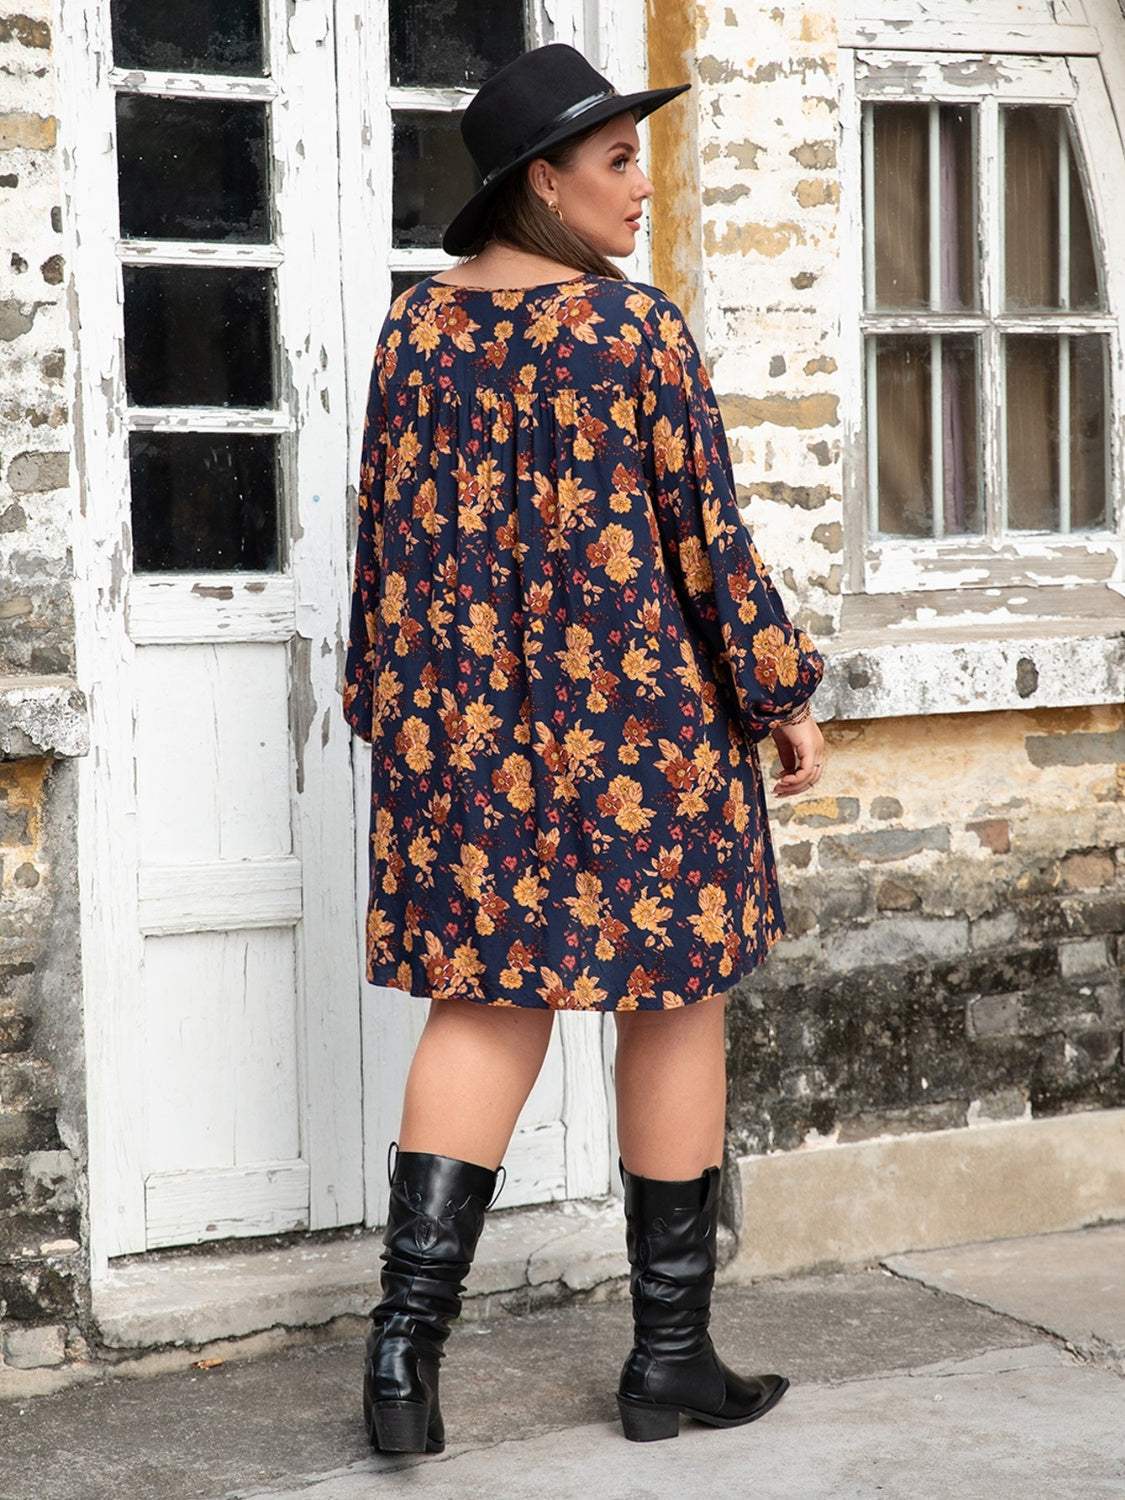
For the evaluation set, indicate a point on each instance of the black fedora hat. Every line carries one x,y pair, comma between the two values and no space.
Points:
527,106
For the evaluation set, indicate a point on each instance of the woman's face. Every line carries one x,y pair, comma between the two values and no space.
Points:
602,192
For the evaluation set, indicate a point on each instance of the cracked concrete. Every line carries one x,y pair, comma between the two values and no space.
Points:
900,1388
1070,1286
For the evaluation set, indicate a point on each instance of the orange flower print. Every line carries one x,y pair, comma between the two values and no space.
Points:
563,651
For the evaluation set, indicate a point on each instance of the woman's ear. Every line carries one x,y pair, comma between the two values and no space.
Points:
541,178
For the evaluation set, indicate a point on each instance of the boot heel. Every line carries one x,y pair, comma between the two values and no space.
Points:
646,1423
400,1426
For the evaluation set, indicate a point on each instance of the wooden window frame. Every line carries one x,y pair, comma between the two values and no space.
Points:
1023,560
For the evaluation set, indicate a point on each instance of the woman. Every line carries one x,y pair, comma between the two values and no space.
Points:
564,650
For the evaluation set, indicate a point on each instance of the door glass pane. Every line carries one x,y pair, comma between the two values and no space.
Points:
433,176
204,500
453,43
400,280
192,169
207,36
1048,249
911,141
198,336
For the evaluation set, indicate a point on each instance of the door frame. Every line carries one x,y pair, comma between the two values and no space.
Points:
301,605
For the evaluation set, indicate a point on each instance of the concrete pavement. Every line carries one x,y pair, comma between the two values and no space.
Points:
982,1371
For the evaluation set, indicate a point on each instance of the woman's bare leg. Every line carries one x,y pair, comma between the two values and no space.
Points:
670,1073
472,1071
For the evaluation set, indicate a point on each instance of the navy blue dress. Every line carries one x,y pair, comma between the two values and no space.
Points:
564,649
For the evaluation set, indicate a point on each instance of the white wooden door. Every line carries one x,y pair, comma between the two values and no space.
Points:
402,86
216,822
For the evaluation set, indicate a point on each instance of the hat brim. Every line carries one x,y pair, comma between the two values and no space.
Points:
466,224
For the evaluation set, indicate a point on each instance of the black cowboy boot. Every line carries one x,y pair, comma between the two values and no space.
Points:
673,1369
435,1218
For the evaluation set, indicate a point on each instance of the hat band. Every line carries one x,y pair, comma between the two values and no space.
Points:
542,131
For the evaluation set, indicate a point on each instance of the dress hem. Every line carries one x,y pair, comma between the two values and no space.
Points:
752,960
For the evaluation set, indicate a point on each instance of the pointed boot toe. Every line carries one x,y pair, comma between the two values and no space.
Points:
673,1369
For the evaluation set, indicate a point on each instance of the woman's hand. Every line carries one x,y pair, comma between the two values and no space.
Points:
801,748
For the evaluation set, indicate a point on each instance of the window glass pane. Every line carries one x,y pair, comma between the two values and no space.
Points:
1040,367
902,205
1031,220
1089,400
1048,254
962,500
908,462
204,500
902,399
207,36
192,169
908,140
1033,431
433,176
453,43
1084,289
199,336
957,199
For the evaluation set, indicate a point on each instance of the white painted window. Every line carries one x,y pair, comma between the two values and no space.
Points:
983,165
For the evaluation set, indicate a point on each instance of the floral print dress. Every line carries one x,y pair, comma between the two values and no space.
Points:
564,649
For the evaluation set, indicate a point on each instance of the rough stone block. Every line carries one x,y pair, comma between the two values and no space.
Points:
1095,915
1087,871
22,1234
27,1083
994,1015
896,940
39,1289
993,929
30,1130
15,1029
881,844
31,1348
50,1179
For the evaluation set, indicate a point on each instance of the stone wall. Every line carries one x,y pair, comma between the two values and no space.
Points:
42,1091
955,905
954,888
766,117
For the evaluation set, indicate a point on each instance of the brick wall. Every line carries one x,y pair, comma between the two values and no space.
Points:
42,1103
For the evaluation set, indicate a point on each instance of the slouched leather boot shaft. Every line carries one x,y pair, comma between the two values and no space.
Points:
436,1214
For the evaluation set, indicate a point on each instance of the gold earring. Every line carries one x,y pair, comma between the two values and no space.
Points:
556,210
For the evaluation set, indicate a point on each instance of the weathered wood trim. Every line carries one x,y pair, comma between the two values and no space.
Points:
972,36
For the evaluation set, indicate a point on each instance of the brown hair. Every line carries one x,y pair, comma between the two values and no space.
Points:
520,218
